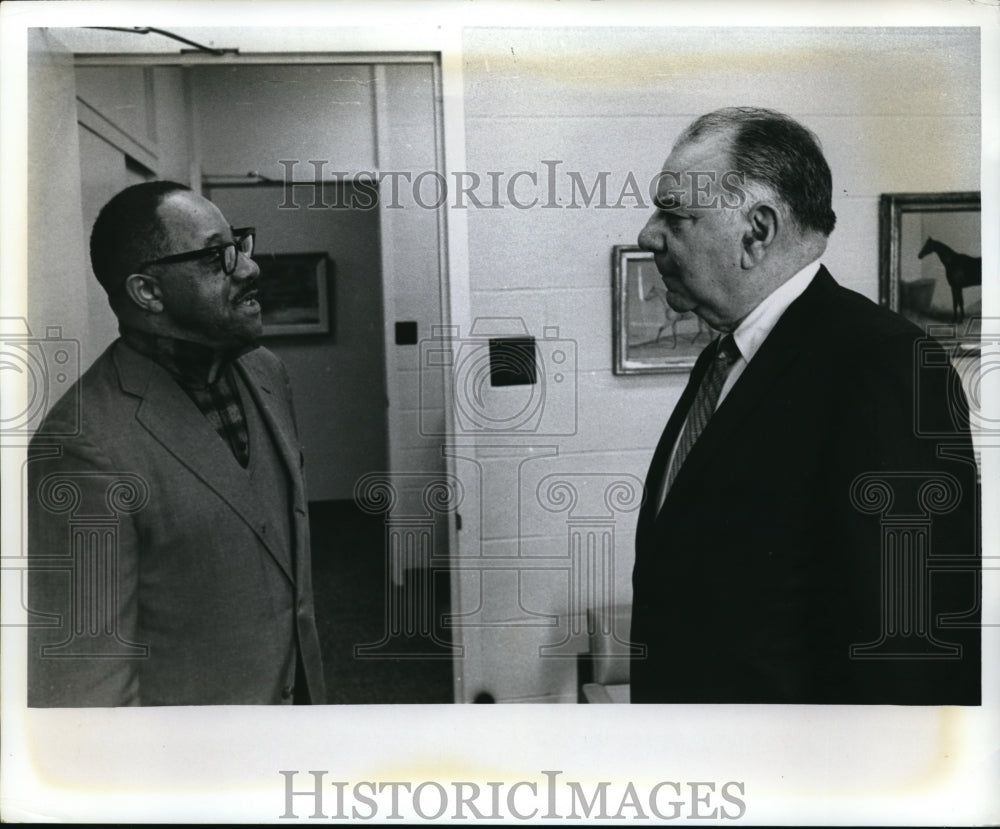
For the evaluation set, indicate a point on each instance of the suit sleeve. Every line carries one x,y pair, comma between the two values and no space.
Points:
83,546
906,488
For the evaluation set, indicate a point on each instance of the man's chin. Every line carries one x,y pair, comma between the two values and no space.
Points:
253,323
247,335
679,304
253,337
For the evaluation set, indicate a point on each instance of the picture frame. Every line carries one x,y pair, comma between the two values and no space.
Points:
930,264
649,336
294,294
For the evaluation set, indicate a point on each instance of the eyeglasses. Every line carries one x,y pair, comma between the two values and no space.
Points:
228,253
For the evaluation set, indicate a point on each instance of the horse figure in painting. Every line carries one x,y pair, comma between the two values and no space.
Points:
960,270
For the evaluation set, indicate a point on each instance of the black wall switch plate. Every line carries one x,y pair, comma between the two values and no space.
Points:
512,361
406,333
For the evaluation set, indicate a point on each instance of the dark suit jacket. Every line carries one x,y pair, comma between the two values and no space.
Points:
762,570
188,596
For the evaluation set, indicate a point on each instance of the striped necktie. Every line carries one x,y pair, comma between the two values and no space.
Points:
705,401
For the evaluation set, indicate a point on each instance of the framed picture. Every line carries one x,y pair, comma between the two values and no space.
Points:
931,267
294,293
649,336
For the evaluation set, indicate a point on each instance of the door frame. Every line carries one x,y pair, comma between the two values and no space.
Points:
445,58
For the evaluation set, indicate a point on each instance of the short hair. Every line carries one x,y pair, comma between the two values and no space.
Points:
776,151
128,233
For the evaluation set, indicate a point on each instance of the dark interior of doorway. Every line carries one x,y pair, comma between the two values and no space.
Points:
353,591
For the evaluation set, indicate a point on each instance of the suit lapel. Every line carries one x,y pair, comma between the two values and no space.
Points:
278,421
785,346
173,419
275,417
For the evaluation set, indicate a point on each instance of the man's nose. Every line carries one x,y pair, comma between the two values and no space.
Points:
246,268
650,237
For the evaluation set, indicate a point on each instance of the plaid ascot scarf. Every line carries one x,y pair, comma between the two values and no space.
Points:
212,387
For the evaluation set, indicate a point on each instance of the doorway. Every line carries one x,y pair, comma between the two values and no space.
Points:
243,133
338,375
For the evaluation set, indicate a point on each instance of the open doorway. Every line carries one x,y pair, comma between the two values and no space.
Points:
337,374
240,133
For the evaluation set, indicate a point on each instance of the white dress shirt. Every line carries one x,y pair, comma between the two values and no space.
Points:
751,333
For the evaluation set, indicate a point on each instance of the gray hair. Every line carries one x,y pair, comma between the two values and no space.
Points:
776,152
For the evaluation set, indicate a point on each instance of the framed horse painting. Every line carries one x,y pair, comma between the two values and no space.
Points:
931,272
931,267
649,336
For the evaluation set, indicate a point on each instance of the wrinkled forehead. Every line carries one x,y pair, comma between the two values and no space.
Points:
190,221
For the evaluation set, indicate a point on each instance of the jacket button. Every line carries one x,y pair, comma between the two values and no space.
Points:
287,691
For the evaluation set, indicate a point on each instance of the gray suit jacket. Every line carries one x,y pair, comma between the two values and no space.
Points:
155,580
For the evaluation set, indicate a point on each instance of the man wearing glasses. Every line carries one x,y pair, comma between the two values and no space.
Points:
169,533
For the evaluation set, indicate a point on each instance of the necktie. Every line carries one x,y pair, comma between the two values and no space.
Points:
727,353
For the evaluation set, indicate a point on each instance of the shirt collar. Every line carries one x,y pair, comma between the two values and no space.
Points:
194,365
752,332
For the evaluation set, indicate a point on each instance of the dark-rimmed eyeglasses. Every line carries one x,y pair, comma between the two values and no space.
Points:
228,253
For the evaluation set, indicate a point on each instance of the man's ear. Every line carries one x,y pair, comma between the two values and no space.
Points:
144,292
762,220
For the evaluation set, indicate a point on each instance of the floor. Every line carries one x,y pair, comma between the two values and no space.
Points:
381,644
